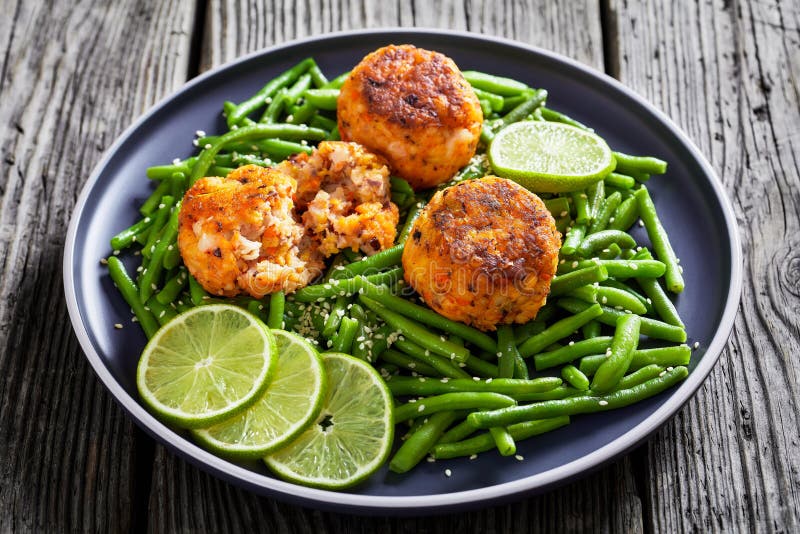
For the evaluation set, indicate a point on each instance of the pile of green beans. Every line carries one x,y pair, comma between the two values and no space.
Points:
462,391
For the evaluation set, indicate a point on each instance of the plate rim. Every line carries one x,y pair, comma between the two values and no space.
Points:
485,496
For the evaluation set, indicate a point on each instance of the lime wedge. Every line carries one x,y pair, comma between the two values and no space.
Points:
550,157
352,436
290,404
205,365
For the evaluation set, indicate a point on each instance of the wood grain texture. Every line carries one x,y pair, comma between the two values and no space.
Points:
183,499
727,72
72,77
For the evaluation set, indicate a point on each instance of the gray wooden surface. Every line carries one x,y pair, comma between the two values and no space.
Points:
73,75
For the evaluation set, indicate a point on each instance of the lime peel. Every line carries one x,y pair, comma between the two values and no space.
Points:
550,157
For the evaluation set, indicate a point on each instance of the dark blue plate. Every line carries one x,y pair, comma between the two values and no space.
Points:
690,200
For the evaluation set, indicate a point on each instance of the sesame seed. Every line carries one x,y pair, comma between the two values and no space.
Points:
116,253
448,473
268,100
134,319
103,261
489,380
195,143
662,373
445,380
462,364
641,222
422,379
603,403
289,118
430,459
561,261
617,307
519,457
208,146
235,127
574,264
563,214
421,408
696,345
118,326
571,343
604,300
633,266
476,378
473,456
176,161
412,365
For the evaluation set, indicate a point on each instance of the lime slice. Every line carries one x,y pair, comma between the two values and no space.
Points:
205,365
352,436
290,404
550,157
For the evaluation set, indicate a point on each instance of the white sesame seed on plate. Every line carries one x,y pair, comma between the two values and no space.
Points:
473,456
519,457
103,261
448,473
696,345
118,326
430,459
641,222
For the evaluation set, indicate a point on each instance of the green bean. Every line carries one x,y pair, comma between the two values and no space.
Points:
257,100
198,294
561,392
172,287
649,327
376,262
414,449
133,233
660,240
335,317
567,282
578,405
623,268
317,76
607,208
153,270
571,352
345,286
620,299
343,340
443,365
524,331
278,149
658,297
662,356
559,330
298,89
411,218
625,215
639,164
574,377
400,186
457,433
256,308
407,362
510,102
275,107
602,239
322,98
582,211
154,200
451,401
628,289
591,329
160,219
323,122
495,101
257,131
476,168
219,171
277,303
558,207
162,313
494,84
620,354
551,115
127,287
639,376
573,240
486,107
612,252
164,172
334,135
503,441
520,367
429,317
485,442
524,109
506,386
416,332
621,181
584,293
172,257
481,368
597,196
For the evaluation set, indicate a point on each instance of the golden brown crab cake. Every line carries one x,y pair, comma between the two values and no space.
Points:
483,252
238,234
415,108
344,196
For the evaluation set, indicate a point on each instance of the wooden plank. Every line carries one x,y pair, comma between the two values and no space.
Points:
727,72
72,77
185,499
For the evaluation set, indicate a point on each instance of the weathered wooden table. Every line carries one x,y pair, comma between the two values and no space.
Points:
73,75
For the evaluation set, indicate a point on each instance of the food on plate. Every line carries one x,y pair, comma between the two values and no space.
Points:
415,108
238,234
483,252
263,230
404,280
344,197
